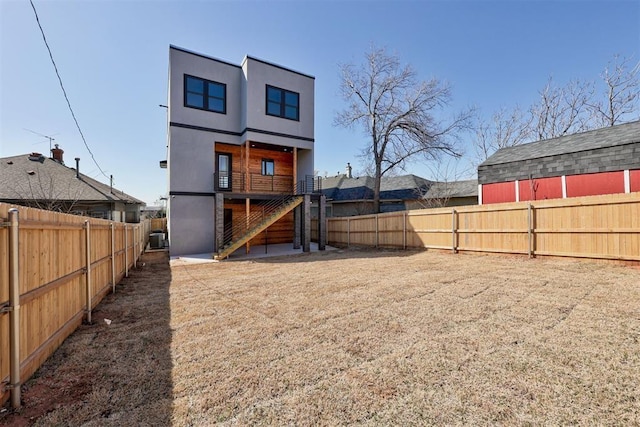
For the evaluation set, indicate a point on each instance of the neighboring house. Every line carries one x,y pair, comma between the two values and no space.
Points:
150,212
241,141
46,183
348,196
602,161
453,193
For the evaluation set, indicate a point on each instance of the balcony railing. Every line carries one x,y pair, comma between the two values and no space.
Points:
258,183
271,183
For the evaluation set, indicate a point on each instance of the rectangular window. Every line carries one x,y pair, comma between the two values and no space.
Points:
283,103
223,171
268,167
205,95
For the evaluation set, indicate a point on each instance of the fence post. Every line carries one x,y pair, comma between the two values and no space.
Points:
348,232
113,259
322,223
454,232
14,304
126,252
531,232
404,229
377,232
135,248
87,233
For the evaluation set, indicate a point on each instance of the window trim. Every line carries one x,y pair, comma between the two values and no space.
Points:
229,176
263,169
205,95
283,105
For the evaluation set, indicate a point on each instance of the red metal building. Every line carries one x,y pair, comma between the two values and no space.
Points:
602,161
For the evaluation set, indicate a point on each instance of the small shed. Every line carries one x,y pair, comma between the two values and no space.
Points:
601,161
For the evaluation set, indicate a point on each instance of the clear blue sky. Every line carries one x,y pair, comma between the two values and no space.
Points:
113,59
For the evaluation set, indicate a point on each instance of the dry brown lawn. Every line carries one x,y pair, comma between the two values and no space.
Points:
360,337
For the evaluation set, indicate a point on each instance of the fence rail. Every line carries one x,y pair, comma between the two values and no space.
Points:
65,265
599,227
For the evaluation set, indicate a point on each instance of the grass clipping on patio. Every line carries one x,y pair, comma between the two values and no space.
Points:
368,337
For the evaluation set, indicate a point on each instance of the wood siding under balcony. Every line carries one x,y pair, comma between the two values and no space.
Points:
252,180
280,232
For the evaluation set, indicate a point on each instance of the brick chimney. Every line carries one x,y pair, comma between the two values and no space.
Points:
57,153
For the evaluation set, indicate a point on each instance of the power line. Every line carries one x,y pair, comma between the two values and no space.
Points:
63,89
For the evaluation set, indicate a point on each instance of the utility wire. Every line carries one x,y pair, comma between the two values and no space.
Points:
64,91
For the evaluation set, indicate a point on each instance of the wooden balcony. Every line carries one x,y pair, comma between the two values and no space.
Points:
240,182
264,184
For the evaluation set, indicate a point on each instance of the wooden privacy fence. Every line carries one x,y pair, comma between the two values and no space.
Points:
63,265
600,227
158,224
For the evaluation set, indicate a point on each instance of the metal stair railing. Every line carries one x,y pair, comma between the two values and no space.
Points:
244,228
249,226
245,222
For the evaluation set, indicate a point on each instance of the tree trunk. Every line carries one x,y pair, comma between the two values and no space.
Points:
376,189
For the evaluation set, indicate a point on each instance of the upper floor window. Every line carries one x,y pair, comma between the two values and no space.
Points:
268,167
283,103
205,94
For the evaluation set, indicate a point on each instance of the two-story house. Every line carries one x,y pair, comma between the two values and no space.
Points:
240,153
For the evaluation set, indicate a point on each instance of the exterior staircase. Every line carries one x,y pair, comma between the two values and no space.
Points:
257,224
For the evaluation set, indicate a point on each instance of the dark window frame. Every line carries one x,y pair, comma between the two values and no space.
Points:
227,185
205,95
282,104
264,170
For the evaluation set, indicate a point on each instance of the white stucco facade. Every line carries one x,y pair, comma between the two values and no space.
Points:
194,132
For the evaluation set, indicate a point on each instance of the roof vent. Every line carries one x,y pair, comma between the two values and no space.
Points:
10,162
36,157
31,172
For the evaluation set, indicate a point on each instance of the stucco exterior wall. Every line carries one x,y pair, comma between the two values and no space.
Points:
191,225
182,63
258,75
191,160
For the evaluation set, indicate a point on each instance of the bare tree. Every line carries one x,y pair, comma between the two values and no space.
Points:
575,107
621,94
397,113
505,129
561,110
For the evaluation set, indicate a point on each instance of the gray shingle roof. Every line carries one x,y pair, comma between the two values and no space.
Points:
404,187
441,190
606,137
44,179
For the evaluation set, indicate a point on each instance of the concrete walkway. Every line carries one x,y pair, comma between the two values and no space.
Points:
257,251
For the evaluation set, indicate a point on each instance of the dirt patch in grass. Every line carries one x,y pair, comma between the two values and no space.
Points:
365,337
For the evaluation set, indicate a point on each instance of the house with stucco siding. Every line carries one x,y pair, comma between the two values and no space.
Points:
240,151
